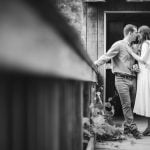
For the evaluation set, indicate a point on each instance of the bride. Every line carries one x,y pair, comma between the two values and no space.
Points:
142,101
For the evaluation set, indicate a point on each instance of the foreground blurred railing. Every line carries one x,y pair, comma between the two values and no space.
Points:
45,78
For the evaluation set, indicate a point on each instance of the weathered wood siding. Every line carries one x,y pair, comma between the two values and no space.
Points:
137,0
95,23
92,28
95,31
40,113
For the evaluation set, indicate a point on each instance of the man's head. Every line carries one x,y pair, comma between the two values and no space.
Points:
130,32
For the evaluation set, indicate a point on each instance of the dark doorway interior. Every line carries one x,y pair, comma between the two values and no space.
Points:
114,31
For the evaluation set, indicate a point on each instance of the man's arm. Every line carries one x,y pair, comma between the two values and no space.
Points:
112,52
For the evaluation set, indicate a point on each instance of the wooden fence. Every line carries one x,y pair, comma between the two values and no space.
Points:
45,78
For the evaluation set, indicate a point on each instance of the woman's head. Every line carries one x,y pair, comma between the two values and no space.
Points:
144,32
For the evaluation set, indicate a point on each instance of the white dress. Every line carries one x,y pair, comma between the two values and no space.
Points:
142,101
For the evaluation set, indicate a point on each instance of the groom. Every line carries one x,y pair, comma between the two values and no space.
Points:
125,77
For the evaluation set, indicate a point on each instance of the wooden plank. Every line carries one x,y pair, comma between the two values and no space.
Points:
84,24
64,134
70,128
86,99
100,32
68,121
43,113
138,0
40,92
52,112
94,0
31,45
92,15
77,116
101,40
19,124
40,113
31,115
5,125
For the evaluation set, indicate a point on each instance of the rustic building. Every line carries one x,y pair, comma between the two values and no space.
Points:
100,23
105,20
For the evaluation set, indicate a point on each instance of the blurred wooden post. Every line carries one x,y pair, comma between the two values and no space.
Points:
86,99
43,70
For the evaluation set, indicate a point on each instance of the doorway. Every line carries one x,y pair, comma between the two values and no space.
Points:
114,24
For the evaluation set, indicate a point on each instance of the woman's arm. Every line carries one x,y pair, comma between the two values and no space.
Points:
145,50
135,56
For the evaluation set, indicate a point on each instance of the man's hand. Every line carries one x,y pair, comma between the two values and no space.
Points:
95,63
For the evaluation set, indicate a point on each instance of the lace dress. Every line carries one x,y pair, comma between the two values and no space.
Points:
142,101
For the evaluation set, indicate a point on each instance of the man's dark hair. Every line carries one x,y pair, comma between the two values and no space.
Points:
128,28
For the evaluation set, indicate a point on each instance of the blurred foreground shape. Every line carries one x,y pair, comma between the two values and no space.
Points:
45,77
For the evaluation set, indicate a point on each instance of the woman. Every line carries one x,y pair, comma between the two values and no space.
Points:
142,101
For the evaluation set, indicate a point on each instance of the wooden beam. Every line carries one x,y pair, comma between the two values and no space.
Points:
94,0
138,0
32,45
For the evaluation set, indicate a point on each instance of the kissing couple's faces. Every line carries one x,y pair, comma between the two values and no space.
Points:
134,34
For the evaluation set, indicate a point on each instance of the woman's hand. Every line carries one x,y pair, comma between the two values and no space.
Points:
135,56
129,49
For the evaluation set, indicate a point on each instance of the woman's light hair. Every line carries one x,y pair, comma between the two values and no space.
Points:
145,32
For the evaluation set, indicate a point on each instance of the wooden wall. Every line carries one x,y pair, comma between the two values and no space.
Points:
95,23
45,78
40,113
95,32
92,30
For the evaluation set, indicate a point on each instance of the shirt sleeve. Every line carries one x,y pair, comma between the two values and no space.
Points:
145,51
112,52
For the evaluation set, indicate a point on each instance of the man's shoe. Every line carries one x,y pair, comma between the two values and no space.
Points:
136,134
126,131
146,132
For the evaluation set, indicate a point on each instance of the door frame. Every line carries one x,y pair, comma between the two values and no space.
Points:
105,29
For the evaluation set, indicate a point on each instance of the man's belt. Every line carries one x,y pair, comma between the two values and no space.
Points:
130,77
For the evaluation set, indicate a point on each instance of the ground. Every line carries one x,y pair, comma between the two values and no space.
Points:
130,143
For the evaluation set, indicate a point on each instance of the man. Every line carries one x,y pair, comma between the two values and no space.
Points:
125,77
